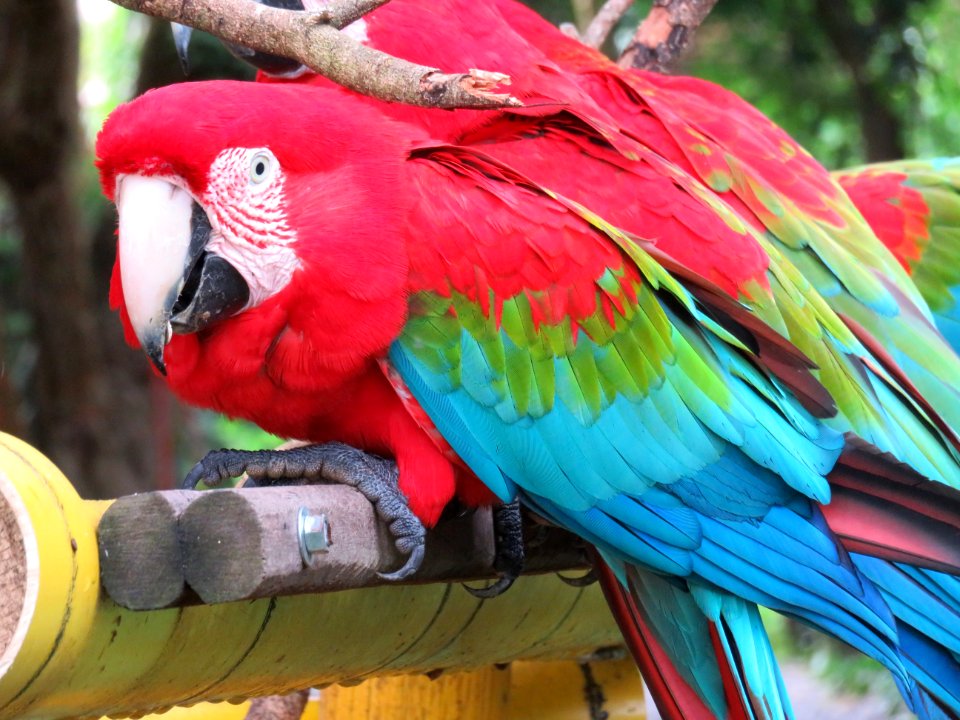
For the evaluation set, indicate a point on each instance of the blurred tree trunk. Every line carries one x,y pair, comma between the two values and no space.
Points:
854,42
38,153
89,405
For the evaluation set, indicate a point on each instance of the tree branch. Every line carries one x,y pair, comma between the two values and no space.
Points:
665,33
604,21
313,39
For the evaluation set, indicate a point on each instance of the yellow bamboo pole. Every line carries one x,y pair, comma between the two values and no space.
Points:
522,691
480,695
525,690
556,690
226,711
68,651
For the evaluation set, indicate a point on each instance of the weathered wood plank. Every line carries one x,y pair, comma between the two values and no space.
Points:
175,548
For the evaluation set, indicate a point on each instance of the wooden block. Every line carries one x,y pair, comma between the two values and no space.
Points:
241,544
141,565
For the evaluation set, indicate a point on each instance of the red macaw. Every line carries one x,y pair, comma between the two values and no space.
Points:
707,131
642,393
711,134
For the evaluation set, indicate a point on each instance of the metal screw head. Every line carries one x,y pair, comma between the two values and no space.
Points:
313,533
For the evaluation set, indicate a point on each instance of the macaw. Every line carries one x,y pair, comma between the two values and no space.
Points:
914,208
354,289
641,393
711,134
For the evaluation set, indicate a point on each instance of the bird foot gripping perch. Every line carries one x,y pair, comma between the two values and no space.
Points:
375,478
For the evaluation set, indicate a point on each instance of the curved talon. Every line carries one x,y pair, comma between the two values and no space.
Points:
409,567
206,472
585,580
491,591
194,477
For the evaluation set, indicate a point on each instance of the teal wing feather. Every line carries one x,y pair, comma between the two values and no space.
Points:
805,215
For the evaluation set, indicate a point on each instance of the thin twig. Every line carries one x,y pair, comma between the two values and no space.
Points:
604,21
665,33
311,38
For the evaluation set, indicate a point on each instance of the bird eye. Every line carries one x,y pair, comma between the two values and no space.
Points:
260,166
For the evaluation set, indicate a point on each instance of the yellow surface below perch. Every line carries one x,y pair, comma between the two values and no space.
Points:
520,691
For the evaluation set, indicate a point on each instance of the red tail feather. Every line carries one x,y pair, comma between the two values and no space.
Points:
883,508
674,697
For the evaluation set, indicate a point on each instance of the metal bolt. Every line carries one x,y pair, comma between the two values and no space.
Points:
313,533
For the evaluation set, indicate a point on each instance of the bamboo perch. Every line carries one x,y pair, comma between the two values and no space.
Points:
66,650
228,545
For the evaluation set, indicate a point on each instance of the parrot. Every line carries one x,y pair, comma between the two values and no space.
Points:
509,357
913,206
677,128
278,322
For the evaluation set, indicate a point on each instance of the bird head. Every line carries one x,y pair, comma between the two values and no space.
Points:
228,192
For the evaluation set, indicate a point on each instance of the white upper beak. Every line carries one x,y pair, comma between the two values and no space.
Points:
154,250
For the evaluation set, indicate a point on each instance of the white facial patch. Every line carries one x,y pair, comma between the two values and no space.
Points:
244,201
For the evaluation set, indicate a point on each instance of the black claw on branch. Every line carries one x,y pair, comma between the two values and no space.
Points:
509,554
374,477
585,580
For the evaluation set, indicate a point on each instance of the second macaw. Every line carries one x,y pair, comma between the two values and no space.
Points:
914,208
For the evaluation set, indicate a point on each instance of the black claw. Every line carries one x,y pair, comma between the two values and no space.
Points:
509,554
585,580
491,591
375,478
218,466
409,567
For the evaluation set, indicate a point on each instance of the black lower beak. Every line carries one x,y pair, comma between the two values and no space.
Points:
214,291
